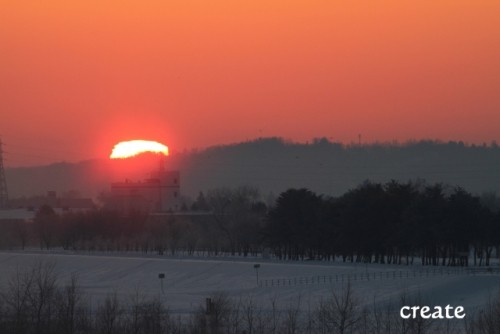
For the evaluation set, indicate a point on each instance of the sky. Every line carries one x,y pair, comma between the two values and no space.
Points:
76,77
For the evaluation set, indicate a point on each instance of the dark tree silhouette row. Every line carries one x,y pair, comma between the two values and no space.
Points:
393,223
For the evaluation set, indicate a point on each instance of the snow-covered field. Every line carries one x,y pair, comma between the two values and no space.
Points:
188,281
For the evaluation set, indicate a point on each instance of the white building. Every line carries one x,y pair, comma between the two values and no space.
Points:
160,193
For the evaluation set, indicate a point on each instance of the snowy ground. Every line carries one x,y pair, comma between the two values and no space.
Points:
188,281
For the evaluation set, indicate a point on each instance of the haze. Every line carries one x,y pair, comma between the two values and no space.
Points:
78,77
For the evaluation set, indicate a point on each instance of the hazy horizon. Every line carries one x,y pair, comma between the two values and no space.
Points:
79,77
358,141
274,165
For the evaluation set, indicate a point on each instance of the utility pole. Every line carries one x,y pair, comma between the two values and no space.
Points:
161,276
257,267
4,197
161,172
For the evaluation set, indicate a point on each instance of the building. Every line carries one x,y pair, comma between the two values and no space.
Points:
59,204
15,221
159,193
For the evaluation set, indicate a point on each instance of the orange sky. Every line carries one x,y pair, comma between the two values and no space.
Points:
78,76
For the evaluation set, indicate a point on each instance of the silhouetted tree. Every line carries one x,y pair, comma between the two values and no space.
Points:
237,216
293,223
46,222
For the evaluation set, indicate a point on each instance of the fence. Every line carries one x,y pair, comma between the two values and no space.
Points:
382,275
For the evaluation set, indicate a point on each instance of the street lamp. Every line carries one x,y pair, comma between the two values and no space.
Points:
161,276
256,267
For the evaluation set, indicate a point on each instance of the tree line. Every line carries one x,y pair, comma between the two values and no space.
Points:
276,164
393,223
37,301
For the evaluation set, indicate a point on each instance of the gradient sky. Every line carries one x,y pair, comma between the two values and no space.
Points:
78,76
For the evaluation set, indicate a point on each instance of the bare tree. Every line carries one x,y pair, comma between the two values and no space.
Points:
275,316
146,316
3,318
339,313
22,233
42,296
73,314
46,225
250,313
218,312
16,300
413,325
235,318
30,299
291,323
377,319
232,210
487,320
109,315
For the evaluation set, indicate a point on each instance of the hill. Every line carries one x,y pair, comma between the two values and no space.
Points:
274,165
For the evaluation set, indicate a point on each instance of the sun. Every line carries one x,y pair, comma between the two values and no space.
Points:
127,149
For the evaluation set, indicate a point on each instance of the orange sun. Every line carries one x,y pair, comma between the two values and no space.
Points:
127,149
